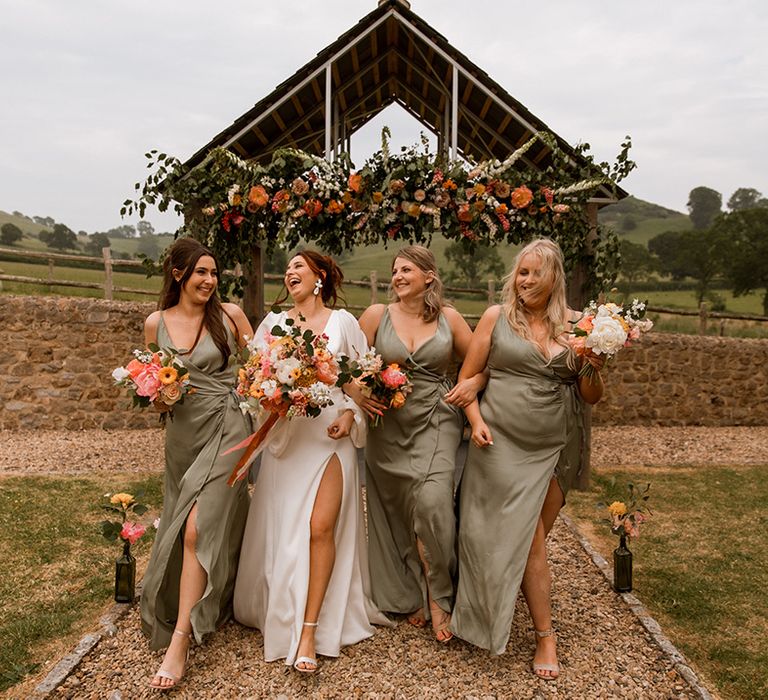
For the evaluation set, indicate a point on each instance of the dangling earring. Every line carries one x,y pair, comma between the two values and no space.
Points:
318,287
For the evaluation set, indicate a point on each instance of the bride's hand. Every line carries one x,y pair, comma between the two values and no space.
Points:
341,426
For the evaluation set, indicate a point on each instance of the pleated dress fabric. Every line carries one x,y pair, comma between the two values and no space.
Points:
410,463
533,410
205,425
273,576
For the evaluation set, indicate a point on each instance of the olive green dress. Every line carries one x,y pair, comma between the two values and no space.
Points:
205,425
410,462
533,410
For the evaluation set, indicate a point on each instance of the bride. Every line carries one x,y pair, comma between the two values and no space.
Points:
303,573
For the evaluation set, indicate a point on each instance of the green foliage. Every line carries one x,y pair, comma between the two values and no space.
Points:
471,268
232,205
10,233
62,237
666,247
745,251
637,263
95,244
746,198
704,204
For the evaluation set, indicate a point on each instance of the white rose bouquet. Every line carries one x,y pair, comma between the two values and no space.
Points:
604,329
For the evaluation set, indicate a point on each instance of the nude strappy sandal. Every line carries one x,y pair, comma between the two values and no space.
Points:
162,673
306,659
552,668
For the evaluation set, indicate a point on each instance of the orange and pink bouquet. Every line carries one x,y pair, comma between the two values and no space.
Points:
604,329
154,376
287,374
389,385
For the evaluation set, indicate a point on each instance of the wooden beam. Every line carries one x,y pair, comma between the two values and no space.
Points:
339,93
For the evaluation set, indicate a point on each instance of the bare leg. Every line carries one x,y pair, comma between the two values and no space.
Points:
322,551
537,581
191,588
440,618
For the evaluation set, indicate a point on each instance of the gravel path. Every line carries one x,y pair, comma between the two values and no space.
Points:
604,651
93,451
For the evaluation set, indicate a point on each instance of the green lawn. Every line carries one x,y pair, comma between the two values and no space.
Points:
57,570
700,565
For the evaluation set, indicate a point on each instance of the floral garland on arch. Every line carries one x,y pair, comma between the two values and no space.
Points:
405,197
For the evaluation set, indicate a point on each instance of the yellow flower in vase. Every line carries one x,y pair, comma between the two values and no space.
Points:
617,508
122,499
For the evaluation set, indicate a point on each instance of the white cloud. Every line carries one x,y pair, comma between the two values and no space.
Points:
89,87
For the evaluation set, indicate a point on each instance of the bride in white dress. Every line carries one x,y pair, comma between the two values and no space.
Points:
303,572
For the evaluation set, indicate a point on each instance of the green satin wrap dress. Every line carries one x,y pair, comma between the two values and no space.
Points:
410,462
208,423
533,411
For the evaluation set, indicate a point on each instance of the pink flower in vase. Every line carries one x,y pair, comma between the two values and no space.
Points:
132,532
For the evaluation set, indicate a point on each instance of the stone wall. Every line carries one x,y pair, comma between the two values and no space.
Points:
56,356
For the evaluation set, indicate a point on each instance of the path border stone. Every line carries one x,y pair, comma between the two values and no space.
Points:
641,613
108,628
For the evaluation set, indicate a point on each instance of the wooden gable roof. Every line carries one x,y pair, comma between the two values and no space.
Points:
390,56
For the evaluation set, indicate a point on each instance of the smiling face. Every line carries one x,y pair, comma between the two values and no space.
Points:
299,278
533,282
408,279
202,282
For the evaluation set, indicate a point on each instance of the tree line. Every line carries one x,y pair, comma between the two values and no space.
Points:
725,247
58,236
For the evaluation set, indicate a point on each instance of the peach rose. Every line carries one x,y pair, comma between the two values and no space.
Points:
521,197
170,394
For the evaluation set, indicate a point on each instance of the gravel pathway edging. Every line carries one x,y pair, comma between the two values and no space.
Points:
69,663
641,612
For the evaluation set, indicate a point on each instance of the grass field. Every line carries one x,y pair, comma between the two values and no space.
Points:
700,565
58,572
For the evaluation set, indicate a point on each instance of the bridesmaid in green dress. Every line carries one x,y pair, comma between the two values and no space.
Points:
410,456
189,581
524,454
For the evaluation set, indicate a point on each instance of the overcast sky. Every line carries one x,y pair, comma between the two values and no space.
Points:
87,86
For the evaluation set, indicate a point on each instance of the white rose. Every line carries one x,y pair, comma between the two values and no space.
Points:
120,373
269,387
284,370
607,337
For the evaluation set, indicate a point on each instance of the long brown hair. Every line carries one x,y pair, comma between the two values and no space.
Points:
424,259
327,270
183,255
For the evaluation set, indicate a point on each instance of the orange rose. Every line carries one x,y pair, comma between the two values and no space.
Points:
502,209
355,182
258,196
335,207
378,197
398,400
313,207
464,213
521,197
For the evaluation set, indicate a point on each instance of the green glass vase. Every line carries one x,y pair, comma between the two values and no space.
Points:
622,567
125,576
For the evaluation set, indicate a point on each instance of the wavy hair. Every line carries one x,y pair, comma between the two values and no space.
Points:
424,259
183,255
556,314
326,268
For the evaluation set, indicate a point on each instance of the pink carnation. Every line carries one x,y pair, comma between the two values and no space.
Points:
393,377
131,532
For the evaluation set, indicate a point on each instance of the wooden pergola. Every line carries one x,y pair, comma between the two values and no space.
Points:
390,56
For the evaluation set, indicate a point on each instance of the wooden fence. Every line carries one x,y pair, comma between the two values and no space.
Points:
489,293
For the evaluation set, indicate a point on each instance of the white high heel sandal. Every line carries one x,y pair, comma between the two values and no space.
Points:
162,673
307,660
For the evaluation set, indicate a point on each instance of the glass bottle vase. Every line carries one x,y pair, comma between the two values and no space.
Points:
125,576
622,567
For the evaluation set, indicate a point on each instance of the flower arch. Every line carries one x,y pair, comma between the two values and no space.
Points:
233,205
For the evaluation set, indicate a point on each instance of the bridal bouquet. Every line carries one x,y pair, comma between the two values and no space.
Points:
154,376
390,385
289,373
604,329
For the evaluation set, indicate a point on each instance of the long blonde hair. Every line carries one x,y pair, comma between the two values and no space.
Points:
433,295
556,314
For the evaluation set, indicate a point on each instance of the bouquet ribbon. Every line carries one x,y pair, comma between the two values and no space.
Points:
253,445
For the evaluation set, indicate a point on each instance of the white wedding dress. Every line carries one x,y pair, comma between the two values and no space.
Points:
273,574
